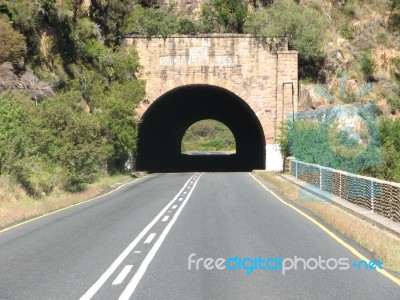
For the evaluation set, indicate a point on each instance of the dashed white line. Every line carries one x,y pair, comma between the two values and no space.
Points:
130,288
180,199
175,206
137,251
106,275
150,238
125,271
165,219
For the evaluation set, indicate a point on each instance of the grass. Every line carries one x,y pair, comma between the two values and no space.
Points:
384,245
16,206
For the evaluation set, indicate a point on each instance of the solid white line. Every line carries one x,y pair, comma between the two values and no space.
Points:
130,288
150,238
106,275
175,206
165,219
125,271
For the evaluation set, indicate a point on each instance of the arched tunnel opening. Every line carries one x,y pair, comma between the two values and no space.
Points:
165,122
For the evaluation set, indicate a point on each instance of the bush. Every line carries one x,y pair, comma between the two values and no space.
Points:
152,21
116,115
394,104
367,65
304,27
283,139
224,15
394,20
12,43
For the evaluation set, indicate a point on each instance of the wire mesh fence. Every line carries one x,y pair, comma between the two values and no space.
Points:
382,197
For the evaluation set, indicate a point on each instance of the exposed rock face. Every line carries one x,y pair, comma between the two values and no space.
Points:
25,81
309,99
192,7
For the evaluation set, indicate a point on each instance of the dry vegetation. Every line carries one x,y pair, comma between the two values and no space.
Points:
16,206
384,246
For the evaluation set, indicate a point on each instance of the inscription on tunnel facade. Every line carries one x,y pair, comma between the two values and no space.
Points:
199,56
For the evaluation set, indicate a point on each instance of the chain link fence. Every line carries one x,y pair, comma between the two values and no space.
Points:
382,197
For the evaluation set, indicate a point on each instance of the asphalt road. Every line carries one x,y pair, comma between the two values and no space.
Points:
140,241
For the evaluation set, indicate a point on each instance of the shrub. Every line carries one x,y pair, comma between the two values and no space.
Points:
12,43
367,65
394,20
394,104
304,27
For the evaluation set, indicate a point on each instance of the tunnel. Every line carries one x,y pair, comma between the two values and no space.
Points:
163,125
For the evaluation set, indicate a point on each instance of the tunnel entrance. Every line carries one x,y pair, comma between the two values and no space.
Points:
208,137
165,122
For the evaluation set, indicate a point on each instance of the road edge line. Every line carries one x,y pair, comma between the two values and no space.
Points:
69,206
327,231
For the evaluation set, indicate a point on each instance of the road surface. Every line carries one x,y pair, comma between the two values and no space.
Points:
139,242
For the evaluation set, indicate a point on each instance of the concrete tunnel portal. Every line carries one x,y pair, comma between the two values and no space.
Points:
165,122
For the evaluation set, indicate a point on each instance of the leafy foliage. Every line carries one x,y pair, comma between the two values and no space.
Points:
302,25
224,15
12,43
367,65
394,20
390,138
163,22
208,135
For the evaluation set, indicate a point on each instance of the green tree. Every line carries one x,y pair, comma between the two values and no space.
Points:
116,115
67,136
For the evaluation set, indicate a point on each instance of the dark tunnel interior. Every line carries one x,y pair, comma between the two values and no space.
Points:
165,122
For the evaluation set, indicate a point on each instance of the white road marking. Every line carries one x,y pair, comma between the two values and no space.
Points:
180,199
125,271
175,206
106,275
150,238
137,251
130,288
184,193
165,219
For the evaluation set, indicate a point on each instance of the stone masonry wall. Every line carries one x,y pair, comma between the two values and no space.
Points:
266,80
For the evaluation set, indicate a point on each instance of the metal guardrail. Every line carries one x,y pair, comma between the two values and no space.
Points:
382,197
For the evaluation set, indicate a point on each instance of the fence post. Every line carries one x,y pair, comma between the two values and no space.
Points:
372,196
340,185
320,177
